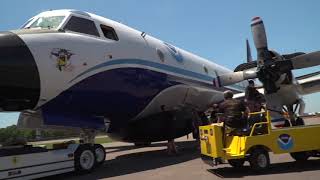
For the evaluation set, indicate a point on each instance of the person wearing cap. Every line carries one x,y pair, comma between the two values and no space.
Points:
253,97
234,111
213,114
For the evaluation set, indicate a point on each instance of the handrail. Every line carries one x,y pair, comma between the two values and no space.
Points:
258,112
256,124
268,122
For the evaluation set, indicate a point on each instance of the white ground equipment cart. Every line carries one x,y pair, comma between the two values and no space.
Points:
28,162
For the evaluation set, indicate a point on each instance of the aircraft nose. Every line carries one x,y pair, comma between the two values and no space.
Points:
19,76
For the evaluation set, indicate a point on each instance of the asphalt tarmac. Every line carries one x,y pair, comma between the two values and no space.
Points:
126,162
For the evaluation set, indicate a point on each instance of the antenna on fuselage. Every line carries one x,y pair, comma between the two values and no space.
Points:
143,34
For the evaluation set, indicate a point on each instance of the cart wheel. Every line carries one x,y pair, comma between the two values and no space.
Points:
100,153
300,156
84,159
236,163
259,159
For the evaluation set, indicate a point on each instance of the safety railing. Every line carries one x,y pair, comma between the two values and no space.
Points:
261,124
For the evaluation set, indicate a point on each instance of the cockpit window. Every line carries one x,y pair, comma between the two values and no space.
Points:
26,23
109,32
82,25
51,22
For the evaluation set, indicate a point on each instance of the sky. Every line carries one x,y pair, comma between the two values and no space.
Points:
213,29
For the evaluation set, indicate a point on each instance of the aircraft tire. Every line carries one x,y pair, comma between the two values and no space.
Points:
84,159
100,154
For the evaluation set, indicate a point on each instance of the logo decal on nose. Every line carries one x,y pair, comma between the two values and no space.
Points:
174,52
62,58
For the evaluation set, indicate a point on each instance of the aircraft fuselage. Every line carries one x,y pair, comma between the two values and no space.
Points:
80,77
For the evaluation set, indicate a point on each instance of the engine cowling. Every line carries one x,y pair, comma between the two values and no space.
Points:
157,127
245,66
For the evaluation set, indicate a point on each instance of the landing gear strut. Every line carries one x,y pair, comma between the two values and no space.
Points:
87,138
292,112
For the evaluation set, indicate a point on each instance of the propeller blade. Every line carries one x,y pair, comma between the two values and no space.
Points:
232,78
249,57
260,40
259,33
292,55
306,60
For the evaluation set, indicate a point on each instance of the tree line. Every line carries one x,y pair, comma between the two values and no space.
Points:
11,133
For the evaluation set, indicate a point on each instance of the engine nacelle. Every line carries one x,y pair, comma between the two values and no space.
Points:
157,127
245,66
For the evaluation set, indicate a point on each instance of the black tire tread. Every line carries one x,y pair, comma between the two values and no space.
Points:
99,146
77,153
253,159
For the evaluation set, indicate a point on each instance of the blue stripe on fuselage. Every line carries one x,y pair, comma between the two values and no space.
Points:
165,67
150,64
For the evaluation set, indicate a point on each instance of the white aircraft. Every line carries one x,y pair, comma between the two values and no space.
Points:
75,69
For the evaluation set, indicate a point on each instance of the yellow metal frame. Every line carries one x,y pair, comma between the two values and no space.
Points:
217,145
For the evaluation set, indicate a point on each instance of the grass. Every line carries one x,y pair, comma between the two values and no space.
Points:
102,140
98,140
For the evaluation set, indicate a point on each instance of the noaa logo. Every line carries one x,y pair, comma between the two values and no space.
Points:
285,141
174,52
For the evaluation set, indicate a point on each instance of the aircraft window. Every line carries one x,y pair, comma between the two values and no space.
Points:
47,22
82,25
205,69
109,32
160,54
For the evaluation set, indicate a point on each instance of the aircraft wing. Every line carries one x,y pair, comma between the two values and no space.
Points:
241,95
310,83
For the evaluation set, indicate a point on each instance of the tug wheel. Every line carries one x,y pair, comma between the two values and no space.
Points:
100,153
259,159
236,163
300,156
84,159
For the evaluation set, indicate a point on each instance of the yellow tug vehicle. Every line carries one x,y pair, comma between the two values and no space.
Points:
220,144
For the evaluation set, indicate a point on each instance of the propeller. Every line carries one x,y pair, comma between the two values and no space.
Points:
270,65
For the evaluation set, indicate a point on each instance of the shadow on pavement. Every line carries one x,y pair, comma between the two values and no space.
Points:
138,161
114,149
277,168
